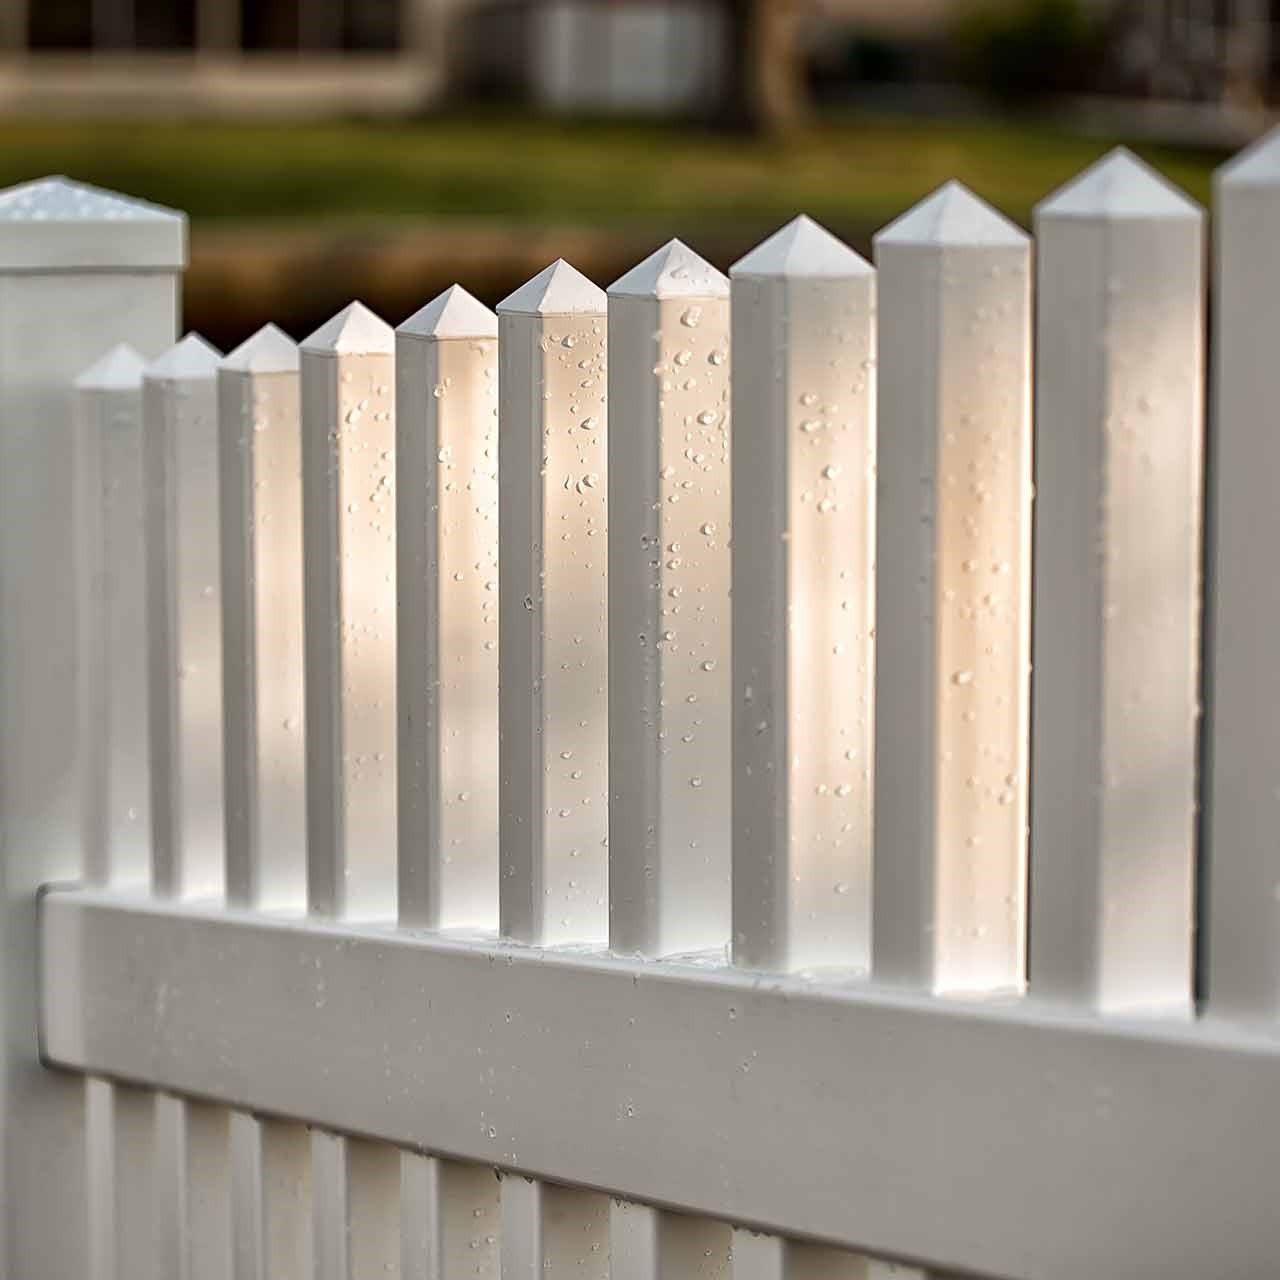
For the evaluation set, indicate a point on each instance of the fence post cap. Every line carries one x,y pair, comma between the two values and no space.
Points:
558,290
189,359
1258,165
119,370
354,331
802,248
452,314
1119,186
952,216
56,224
674,271
270,350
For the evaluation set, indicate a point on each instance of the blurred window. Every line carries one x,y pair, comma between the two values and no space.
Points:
372,24
164,24
270,24
61,24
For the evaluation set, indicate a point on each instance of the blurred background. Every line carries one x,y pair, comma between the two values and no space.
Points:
327,149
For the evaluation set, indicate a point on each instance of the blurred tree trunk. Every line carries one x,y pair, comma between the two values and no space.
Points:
765,90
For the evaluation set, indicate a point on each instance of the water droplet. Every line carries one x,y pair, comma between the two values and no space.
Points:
962,677
691,318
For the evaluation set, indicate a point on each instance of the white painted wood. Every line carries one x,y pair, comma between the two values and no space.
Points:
272,1202
761,1257
650,1244
1120,423
447,613
80,271
669,661
357,1208
260,487
825,1101
113,728
451,1219
553,650
804,511
553,1232
348,518
953,597
192,1189
184,626
1242,974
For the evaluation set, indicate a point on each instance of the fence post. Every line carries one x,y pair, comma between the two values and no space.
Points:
260,493
80,271
447,607
553,653
804,511
669,722
447,697
1120,430
1242,976
952,597
349,553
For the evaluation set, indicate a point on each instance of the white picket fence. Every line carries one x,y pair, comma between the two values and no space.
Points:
418,781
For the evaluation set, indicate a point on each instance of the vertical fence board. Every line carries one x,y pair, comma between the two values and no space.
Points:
80,270
451,1219
553,1233
184,628
192,1189
1119,403
803,504
761,1257
650,1244
271,1209
553,653
447,613
669,721
1242,977
953,530
348,529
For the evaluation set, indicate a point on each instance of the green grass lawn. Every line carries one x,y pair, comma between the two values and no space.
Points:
853,172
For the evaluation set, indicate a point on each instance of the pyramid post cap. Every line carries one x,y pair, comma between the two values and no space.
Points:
802,248
120,369
953,217
55,223
354,331
674,271
1120,185
455,313
270,350
189,359
558,290
1258,165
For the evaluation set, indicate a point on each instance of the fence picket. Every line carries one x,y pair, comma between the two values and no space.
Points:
451,1216
446,611
1120,384
260,492
803,504
953,532
669,722
552,1232
1242,971
652,1244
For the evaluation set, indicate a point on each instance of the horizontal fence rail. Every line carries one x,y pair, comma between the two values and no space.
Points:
613,788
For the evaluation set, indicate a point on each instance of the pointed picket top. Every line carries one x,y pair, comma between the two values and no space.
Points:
188,360
802,248
674,271
270,350
952,216
559,290
57,223
1119,186
119,370
1258,165
451,314
354,331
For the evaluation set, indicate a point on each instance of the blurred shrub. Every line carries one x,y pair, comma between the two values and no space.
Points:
1023,49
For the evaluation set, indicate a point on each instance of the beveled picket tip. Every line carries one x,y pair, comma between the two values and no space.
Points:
270,350
674,271
119,370
1119,186
455,313
1258,165
802,248
192,358
54,222
558,290
354,331
952,216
